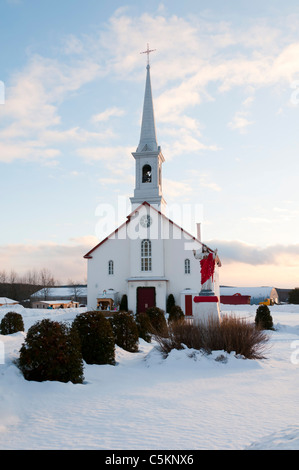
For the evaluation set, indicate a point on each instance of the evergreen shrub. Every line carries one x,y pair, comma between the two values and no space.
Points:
157,320
96,336
124,303
144,326
11,323
170,303
263,318
51,351
176,313
125,331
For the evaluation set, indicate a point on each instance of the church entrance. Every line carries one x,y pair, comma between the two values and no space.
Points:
146,297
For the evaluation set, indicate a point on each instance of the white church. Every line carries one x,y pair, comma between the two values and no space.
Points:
149,256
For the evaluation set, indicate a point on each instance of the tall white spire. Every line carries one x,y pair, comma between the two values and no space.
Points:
148,155
148,138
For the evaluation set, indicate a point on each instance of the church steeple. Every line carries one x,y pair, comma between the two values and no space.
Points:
148,138
148,155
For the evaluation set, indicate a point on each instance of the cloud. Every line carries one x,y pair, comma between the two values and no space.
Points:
240,122
196,59
174,188
31,123
248,102
197,178
107,114
236,251
65,261
204,182
116,159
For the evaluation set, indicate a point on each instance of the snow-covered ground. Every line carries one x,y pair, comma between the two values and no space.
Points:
187,401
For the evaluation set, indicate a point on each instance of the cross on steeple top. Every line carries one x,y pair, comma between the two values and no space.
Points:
148,51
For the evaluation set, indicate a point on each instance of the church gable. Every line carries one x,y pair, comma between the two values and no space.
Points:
147,222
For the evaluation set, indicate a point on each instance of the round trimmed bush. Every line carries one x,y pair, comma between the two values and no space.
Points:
263,318
51,352
11,323
176,313
125,331
97,338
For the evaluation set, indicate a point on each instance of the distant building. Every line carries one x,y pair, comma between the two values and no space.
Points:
5,302
283,294
257,294
77,293
53,304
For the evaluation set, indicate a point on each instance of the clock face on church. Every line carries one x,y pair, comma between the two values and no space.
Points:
145,221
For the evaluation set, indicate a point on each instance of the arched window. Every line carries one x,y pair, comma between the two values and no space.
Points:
187,266
146,255
146,174
110,267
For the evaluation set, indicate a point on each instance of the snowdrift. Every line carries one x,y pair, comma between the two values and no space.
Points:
187,401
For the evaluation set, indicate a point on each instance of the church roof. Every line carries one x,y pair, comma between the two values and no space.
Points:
88,255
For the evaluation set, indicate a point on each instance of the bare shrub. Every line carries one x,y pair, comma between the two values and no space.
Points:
243,337
231,335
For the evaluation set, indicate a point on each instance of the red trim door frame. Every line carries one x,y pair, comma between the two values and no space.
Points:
146,298
188,305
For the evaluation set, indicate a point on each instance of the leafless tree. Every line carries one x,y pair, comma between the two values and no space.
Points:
77,289
46,281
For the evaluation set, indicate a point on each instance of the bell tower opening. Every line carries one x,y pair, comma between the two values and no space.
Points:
146,174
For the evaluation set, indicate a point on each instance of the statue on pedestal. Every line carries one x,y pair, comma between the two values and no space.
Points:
207,266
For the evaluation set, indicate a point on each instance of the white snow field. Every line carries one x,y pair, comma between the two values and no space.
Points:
187,401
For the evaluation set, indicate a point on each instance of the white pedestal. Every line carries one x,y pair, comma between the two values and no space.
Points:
206,308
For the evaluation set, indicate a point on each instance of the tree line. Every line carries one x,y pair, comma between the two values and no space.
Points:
294,296
21,287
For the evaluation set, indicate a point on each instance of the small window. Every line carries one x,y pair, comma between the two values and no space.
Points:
146,255
147,174
110,267
187,266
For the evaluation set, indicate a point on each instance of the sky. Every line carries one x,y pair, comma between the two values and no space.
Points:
225,82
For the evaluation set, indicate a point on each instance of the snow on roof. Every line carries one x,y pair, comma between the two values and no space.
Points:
61,291
255,292
51,302
6,300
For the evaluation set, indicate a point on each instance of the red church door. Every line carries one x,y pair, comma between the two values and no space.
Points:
145,298
188,305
